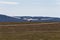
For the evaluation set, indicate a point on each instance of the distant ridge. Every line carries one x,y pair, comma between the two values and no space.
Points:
5,18
38,19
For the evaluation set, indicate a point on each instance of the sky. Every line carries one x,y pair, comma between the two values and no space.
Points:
30,7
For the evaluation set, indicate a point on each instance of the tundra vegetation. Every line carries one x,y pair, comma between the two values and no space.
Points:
30,31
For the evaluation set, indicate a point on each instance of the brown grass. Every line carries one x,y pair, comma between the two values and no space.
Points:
30,31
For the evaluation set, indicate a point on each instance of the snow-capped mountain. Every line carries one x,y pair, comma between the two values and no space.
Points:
4,18
38,19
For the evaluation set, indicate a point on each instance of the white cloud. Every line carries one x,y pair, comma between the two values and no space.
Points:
3,2
1,8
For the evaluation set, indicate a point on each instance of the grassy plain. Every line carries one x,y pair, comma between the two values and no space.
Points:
30,31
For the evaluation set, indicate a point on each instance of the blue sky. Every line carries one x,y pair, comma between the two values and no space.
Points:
30,7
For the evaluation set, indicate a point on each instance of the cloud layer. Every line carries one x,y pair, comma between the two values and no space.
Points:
3,2
30,7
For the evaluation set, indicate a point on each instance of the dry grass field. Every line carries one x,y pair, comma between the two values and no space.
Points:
30,31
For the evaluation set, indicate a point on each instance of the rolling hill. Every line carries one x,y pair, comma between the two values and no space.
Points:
38,19
5,18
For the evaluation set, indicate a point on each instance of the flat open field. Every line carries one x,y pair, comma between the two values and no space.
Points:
30,31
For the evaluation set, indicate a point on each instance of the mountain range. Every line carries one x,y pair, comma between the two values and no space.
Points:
5,18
